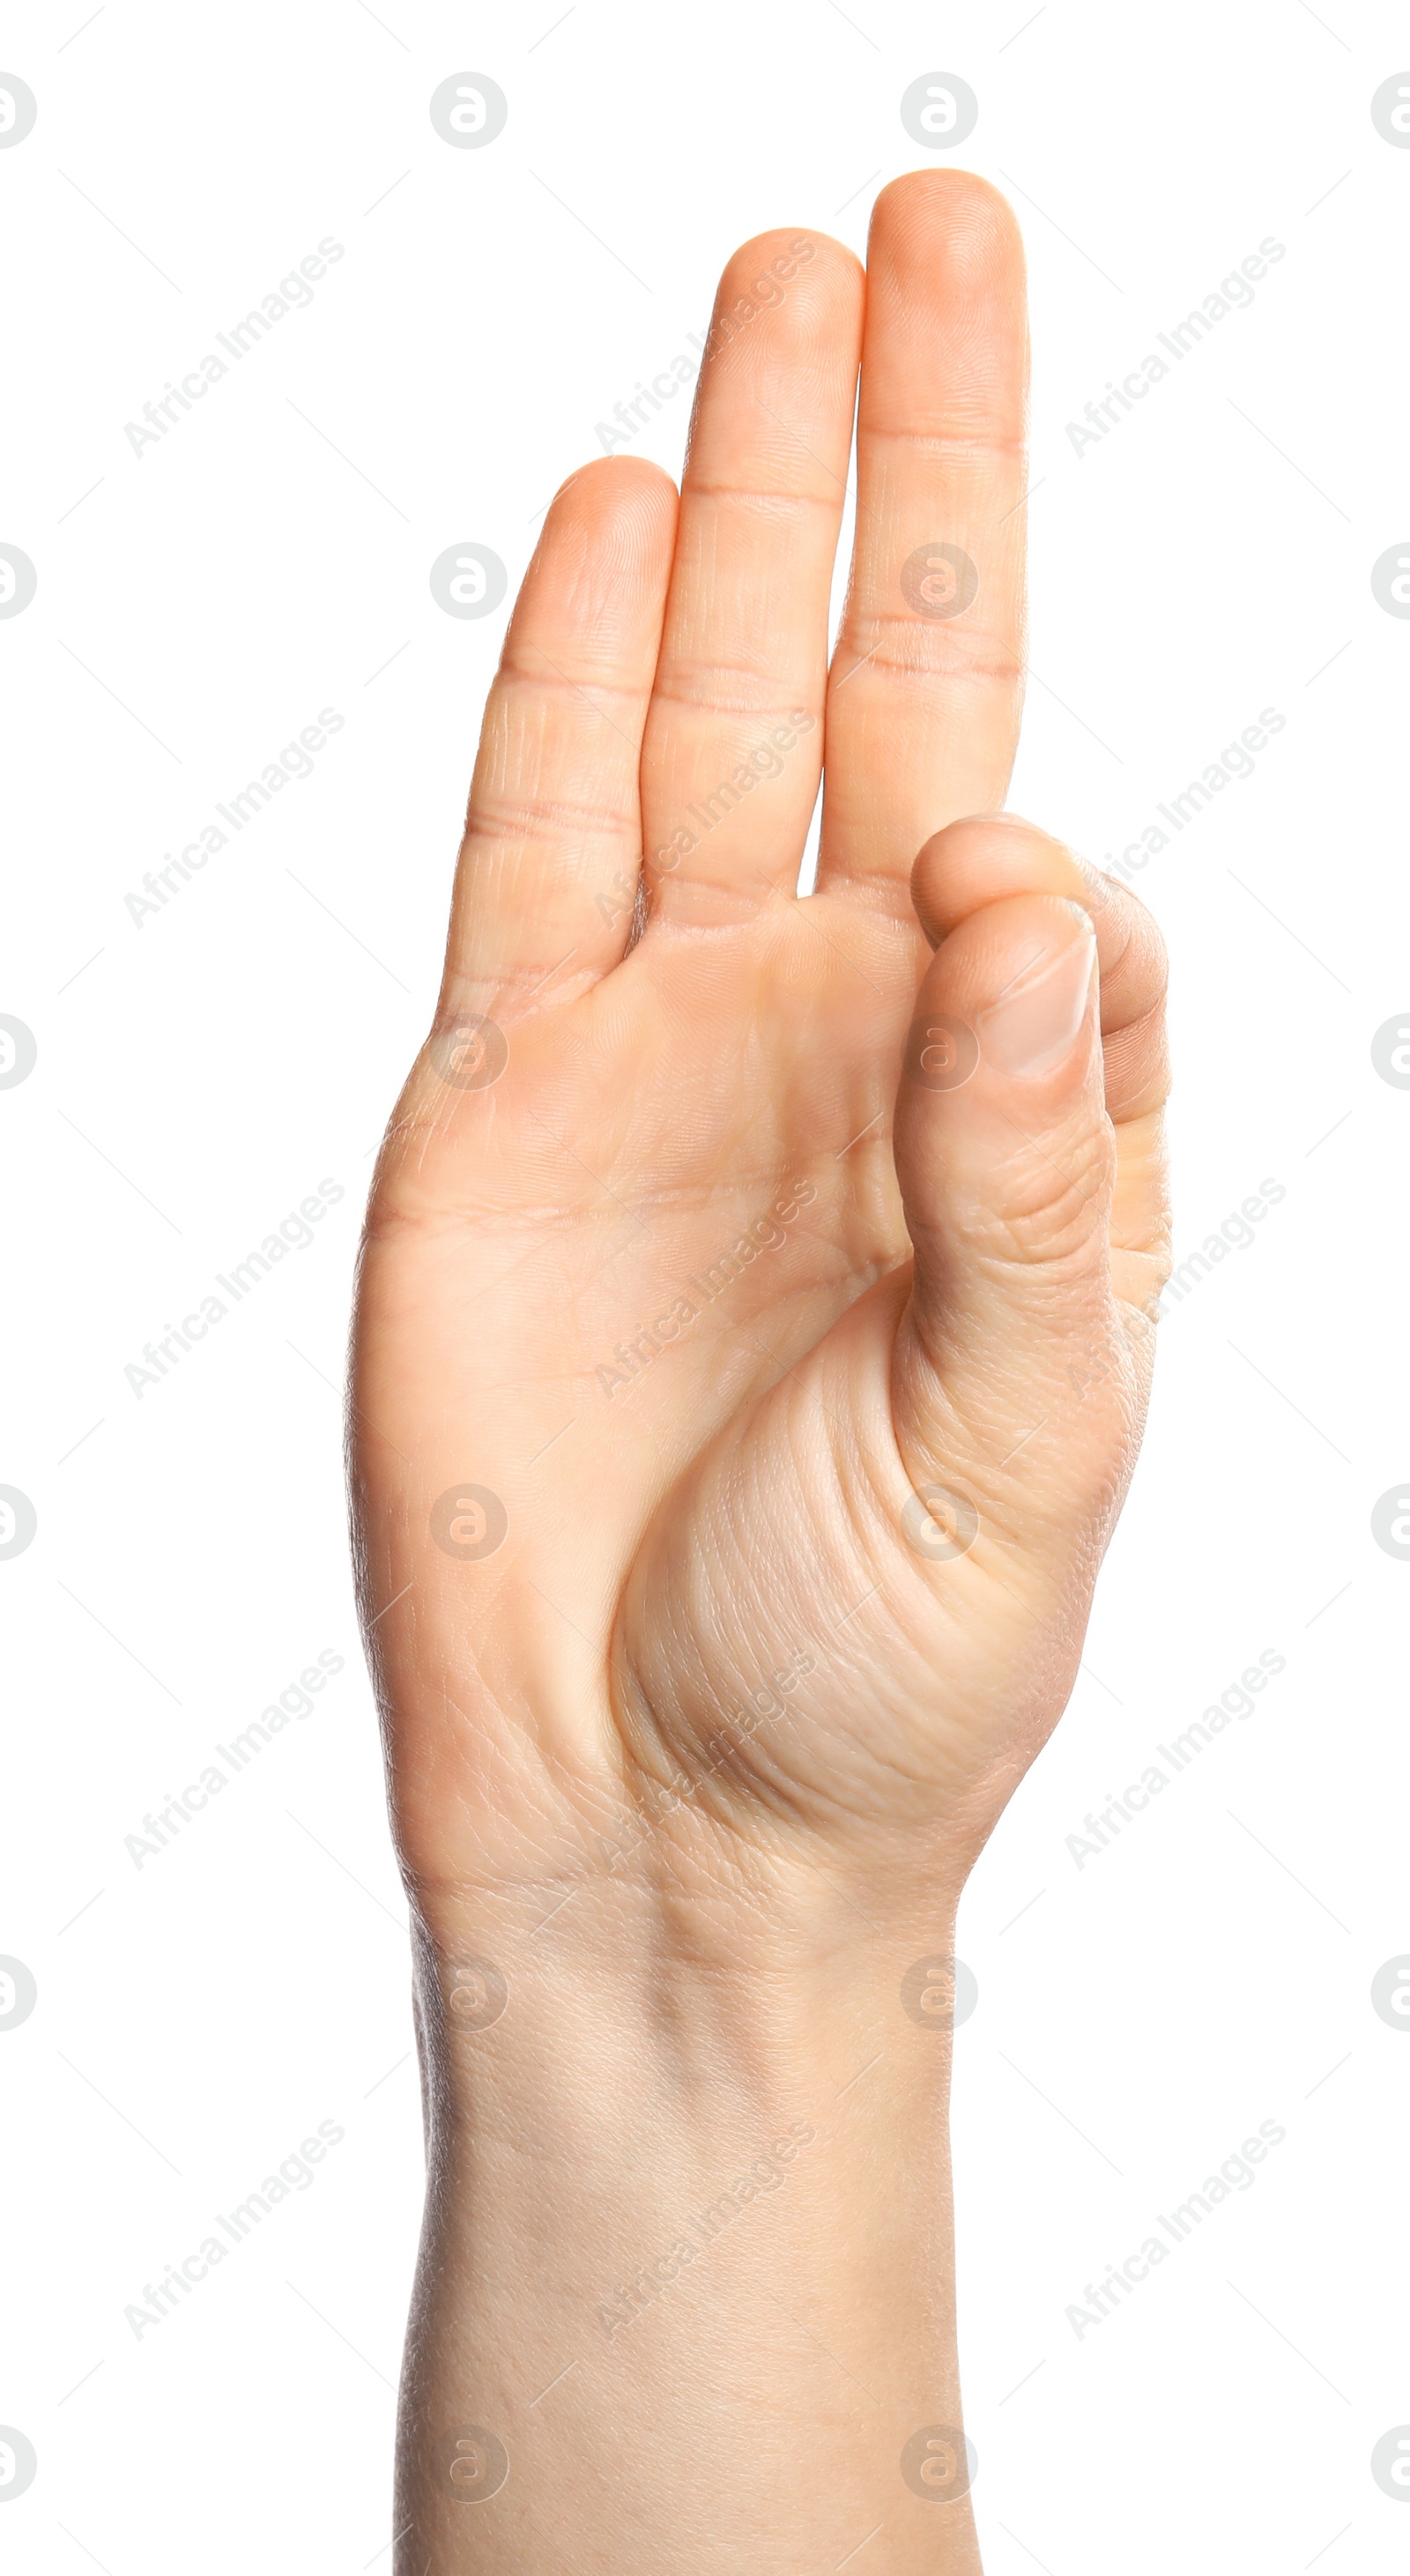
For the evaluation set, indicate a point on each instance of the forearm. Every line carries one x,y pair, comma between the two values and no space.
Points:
688,2251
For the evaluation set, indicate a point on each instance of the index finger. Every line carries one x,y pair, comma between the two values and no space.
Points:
985,857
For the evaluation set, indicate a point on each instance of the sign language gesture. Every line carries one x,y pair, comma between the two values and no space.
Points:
754,1331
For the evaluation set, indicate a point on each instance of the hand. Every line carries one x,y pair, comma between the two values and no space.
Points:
757,1309
784,1408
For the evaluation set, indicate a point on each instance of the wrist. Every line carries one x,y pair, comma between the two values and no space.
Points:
756,1978
681,2149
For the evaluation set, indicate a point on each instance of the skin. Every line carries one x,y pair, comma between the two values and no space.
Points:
697,1725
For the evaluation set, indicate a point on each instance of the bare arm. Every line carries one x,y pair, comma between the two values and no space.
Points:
752,1352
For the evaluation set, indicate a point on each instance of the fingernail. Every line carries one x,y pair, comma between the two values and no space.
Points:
1034,1025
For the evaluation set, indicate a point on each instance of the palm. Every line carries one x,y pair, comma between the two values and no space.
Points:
648,1284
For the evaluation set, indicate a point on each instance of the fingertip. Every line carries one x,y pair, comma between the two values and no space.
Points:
796,292
984,858
1011,992
946,333
604,548
788,255
956,211
606,487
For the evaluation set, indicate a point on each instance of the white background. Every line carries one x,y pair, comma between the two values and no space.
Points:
197,606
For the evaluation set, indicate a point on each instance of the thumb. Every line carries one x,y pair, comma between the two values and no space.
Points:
1011,1365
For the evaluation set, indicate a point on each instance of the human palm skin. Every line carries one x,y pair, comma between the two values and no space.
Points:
753,1340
